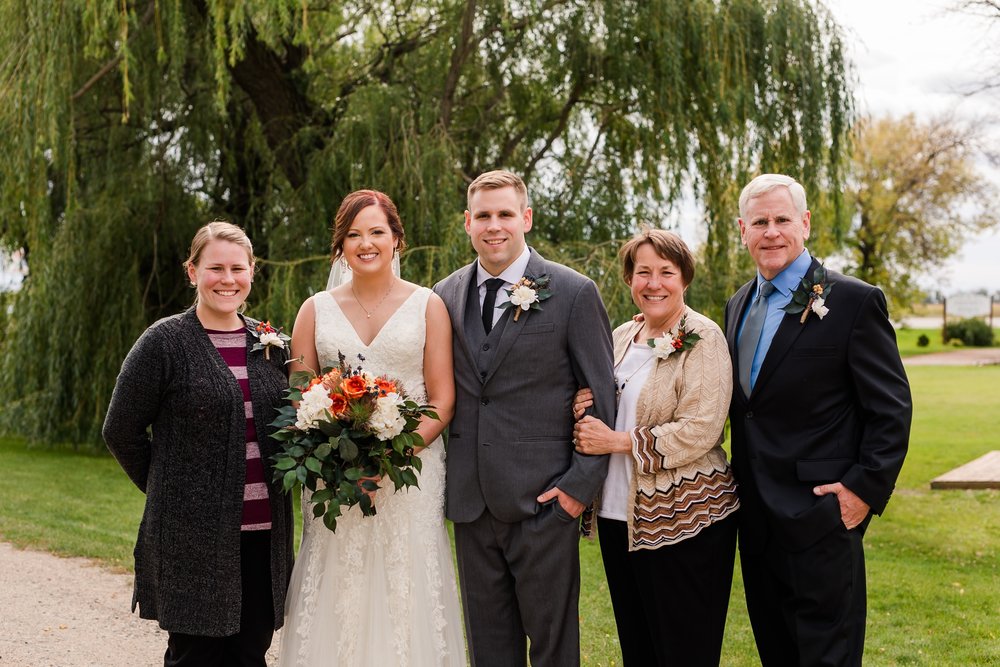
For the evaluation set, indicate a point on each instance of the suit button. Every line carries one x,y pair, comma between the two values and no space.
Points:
486,346
484,400
486,444
482,374
750,415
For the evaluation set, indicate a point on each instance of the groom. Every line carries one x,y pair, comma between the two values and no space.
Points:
515,485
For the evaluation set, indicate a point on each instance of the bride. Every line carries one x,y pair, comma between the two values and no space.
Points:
381,590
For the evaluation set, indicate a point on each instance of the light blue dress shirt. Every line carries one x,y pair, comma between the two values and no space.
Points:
784,284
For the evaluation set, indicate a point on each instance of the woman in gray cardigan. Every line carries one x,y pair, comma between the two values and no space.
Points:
188,424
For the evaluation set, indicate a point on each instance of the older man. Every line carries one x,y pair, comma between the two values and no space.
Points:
820,423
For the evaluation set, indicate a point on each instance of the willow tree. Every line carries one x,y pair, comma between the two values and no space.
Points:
127,124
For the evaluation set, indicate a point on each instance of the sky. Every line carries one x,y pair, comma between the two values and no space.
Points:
917,56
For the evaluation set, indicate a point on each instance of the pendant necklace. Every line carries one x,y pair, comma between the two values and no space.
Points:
621,388
380,301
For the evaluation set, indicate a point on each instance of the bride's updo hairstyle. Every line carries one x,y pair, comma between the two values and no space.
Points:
349,209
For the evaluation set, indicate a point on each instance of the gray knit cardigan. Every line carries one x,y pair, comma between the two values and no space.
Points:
192,468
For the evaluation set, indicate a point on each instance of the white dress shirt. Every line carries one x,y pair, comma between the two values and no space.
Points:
510,275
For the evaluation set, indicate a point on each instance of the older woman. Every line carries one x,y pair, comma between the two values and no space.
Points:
187,422
665,516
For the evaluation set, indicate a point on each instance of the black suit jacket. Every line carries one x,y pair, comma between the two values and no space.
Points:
831,404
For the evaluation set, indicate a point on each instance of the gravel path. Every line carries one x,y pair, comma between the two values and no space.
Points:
965,356
71,612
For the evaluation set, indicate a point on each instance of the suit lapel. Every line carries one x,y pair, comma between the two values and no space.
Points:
536,267
461,301
788,331
733,325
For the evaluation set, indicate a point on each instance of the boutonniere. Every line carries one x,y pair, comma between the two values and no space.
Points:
810,297
528,293
670,342
268,337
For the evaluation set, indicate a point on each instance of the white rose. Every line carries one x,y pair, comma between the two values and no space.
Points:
313,406
271,338
386,422
523,296
819,308
663,346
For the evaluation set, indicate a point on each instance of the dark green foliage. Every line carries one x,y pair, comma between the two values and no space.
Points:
971,331
923,340
127,125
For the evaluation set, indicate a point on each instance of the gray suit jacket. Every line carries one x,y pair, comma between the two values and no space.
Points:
511,437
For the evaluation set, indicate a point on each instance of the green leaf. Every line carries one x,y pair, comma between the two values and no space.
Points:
284,463
417,463
301,473
314,465
323,451
330,429
288,481
298,451
322,495
354,474
409,478
318,510
330,521
348,450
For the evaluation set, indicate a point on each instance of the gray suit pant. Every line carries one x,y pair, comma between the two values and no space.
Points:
521,581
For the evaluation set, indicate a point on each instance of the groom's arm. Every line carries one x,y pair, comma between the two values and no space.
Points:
592,357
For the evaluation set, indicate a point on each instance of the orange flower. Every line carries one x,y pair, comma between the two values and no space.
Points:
354,386
339,407
331,379
313,383
385,386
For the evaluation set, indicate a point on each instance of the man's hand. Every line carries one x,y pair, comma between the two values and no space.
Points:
853,510
570,505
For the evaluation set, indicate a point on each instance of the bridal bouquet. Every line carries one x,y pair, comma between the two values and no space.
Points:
349,429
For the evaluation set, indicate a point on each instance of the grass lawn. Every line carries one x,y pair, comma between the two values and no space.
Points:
907,338
933,559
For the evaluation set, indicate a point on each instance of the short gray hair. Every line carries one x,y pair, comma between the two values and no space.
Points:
767,182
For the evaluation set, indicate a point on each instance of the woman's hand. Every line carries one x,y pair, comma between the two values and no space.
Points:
371,494
584,399
592,436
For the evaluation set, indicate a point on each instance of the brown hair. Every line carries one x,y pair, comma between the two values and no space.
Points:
495,180
349,209
666,244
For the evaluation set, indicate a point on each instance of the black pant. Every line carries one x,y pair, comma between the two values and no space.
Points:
671,602
247,647
808,607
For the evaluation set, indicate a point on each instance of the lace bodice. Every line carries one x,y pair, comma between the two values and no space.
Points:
397,350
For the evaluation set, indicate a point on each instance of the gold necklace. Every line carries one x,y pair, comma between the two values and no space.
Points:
380,301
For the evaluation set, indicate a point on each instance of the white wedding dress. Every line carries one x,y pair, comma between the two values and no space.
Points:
381,590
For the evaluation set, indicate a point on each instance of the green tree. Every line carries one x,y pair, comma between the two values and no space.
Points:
916,192
127,124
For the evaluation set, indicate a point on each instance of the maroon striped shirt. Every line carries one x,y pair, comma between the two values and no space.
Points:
232,346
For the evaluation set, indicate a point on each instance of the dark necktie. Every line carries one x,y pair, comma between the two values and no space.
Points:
751,334
490,302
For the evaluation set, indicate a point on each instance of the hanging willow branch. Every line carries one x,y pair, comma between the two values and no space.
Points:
268,112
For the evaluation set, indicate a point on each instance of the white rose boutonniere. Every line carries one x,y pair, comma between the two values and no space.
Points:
527,294
810,297
670,342
268,337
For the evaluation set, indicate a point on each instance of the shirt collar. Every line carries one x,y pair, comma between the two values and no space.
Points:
791,276
511,274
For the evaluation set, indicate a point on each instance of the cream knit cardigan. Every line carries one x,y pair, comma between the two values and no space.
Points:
681,480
